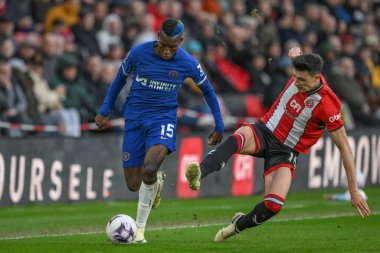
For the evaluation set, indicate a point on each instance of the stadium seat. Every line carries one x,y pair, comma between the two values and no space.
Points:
254,106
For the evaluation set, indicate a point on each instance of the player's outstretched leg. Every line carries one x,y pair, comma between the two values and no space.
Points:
230,230
262,212
214,160
161,176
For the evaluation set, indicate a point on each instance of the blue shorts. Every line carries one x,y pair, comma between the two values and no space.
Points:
140,135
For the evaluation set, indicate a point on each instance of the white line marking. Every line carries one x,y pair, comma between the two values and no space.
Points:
328,216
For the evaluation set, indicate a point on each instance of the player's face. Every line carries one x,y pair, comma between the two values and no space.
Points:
166,46
304,81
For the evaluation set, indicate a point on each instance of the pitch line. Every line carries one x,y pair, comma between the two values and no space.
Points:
329,216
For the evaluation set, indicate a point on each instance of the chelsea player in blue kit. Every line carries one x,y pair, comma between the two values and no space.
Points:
157,68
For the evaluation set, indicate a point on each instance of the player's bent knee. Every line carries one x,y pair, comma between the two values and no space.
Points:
249,146
132,176
245,130
149,175
274,202
133,186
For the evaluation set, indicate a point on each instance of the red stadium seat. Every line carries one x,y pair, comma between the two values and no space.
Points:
254,106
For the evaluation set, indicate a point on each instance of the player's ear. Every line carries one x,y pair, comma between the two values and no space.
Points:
317,77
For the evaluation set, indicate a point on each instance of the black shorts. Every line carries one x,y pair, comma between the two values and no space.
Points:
275,153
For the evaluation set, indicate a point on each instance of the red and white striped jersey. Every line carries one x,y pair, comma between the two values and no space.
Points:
295,118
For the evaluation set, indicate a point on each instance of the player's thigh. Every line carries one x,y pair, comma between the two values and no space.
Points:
134,140
155,155
278,182
279,160
161,132
250,145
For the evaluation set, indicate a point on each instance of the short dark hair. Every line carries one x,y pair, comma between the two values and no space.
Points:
311,63
172,27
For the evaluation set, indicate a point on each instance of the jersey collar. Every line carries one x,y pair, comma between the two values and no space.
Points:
320,86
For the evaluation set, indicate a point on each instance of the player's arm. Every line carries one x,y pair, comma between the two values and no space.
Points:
200,79
109,101
215,136
117,84
340,139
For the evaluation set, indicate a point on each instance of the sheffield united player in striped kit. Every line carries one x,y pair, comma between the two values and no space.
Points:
294,123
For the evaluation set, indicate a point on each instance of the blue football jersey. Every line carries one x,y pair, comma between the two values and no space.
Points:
155,82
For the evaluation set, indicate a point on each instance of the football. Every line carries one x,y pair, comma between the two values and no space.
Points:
121,229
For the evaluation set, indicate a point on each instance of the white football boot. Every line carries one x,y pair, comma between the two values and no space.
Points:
140,238
228,231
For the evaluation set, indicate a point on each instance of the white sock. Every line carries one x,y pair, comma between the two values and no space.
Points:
147,194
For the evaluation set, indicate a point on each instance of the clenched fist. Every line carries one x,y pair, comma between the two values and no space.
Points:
101,121
214,138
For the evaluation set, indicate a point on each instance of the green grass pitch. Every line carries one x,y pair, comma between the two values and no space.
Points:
307,223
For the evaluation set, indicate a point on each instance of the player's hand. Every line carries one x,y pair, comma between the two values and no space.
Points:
101,121
360,204
294,52
214,138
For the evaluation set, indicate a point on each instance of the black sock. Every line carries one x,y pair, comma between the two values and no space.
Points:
257,216
217,158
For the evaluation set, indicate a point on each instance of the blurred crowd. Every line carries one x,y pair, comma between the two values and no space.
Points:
58,57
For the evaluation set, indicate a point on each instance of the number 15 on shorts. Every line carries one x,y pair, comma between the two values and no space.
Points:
167,130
